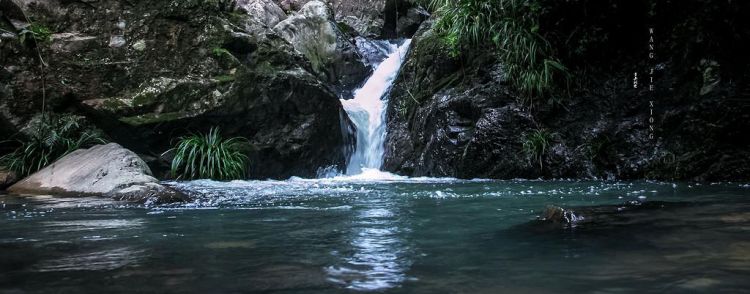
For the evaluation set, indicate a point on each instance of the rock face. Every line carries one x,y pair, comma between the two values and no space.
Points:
7,178
466,133
265,11
379,19
147,72
314,33
468,121
102,170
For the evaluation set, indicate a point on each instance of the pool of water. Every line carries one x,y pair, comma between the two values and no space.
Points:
393,235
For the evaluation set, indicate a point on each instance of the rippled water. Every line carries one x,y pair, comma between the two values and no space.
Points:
384,234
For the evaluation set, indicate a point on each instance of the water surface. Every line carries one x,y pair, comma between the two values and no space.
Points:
391,234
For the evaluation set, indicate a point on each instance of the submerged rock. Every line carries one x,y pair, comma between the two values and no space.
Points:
602,217
103,170
558,215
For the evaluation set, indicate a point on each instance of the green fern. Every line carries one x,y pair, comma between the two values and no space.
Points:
511,28
49,137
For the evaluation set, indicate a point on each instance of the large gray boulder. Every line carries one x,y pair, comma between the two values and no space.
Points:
103,170
379,19
265,11
314,33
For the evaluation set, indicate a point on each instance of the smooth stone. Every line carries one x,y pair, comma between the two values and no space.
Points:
103,170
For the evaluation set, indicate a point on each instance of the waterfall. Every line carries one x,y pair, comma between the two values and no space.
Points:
367,111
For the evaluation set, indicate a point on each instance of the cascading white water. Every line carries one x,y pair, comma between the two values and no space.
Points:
367,112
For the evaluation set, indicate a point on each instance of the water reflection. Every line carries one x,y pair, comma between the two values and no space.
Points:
79,254
93,261
379,257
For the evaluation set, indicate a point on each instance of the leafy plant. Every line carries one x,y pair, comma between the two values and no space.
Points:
39,33
536,144
512,28
50,137
210,156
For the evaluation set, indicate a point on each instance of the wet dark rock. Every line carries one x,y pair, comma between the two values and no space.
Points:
460,117
408,23
103,170
149,194
373,51
456,132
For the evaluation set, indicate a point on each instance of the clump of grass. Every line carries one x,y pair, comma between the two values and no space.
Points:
536,144
210,156
38,32
50,137
511,27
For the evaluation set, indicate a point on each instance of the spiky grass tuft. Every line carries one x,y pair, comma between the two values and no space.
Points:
536,144
210,156
512,28
49,137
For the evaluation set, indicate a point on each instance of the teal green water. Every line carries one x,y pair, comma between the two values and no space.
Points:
402,236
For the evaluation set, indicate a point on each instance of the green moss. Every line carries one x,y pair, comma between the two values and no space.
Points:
38,32
223,79
144,99
219,52
152,118
114,104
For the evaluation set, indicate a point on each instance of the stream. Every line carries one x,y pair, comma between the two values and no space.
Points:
351,234
367,230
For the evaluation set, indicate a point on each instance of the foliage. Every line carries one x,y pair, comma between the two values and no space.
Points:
210,156
50,136
512,28
38,32
536,144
